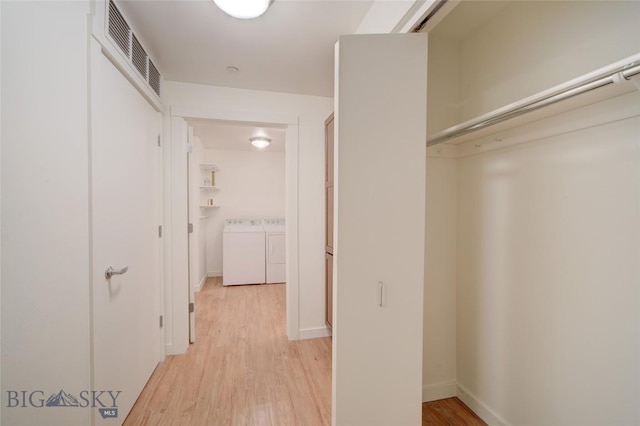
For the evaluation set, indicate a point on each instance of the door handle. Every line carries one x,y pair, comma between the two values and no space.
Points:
111,272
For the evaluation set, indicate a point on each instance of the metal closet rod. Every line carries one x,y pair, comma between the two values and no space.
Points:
616,76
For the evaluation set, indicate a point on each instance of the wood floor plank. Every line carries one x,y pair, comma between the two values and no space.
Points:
242,370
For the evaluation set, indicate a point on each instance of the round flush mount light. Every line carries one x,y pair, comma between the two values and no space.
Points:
244,9
260,142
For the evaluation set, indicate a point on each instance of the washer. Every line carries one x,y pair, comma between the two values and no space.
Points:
276,251
243,252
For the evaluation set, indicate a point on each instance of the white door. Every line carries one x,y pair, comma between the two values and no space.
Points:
380,151
125,218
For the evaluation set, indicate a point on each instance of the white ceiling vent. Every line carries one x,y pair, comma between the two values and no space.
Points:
129,44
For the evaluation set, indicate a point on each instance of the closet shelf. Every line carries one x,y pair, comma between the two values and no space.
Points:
547,103
209,207
215,188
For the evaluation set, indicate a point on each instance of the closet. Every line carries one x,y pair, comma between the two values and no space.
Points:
528,259
532,261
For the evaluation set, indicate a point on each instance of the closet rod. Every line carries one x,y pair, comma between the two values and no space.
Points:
616,76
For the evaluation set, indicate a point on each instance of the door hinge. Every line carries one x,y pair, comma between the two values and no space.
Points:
161,321
159,140
190,228
160,231
191,308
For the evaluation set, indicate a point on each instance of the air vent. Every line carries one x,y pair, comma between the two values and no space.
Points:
118,28
139,57
129,44
154,78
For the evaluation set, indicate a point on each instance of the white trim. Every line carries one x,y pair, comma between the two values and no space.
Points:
201,283
292,217
419,11
212,274
438,391
235,116
314,333
479,407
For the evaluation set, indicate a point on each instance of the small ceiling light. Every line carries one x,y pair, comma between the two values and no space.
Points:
244,9
260,142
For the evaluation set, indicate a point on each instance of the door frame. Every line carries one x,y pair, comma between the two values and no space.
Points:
177,288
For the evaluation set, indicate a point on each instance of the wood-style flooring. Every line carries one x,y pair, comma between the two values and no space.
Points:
242,370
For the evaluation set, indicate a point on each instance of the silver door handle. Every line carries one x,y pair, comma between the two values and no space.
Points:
111,272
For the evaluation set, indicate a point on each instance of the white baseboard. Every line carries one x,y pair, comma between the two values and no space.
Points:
201,284
439,391
211,274
314,333
480,408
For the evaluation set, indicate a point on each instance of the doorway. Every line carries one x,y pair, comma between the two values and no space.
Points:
236,204
178,292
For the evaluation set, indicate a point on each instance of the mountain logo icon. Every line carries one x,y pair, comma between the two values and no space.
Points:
62,399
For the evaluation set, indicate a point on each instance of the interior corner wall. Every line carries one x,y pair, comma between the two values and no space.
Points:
252,185
45,208
548,304
312,111
440,265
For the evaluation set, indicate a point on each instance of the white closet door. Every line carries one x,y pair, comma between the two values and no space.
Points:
125,219
380,215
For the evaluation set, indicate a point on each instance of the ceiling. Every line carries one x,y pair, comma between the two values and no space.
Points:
235,136
288,49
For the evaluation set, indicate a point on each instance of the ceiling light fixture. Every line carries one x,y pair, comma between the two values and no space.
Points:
244,9
260,142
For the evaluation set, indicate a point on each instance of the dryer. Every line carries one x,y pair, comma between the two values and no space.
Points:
276,251
243,252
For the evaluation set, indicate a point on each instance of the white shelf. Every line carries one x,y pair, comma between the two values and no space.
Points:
209,207
203,217
210,167
215,188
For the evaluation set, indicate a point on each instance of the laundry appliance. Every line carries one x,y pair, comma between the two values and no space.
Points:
243,252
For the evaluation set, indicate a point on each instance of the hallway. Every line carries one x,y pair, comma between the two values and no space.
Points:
242,370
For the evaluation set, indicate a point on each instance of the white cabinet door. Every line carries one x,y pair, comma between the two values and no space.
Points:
380,214
125,218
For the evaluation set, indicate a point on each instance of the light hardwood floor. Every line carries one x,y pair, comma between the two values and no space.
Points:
242,370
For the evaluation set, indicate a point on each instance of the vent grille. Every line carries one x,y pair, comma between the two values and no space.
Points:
139,57
154,78
118,28
129,44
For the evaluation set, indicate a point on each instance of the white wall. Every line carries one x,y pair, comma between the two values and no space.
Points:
252,185
312,111
548,270
45,238
531,46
